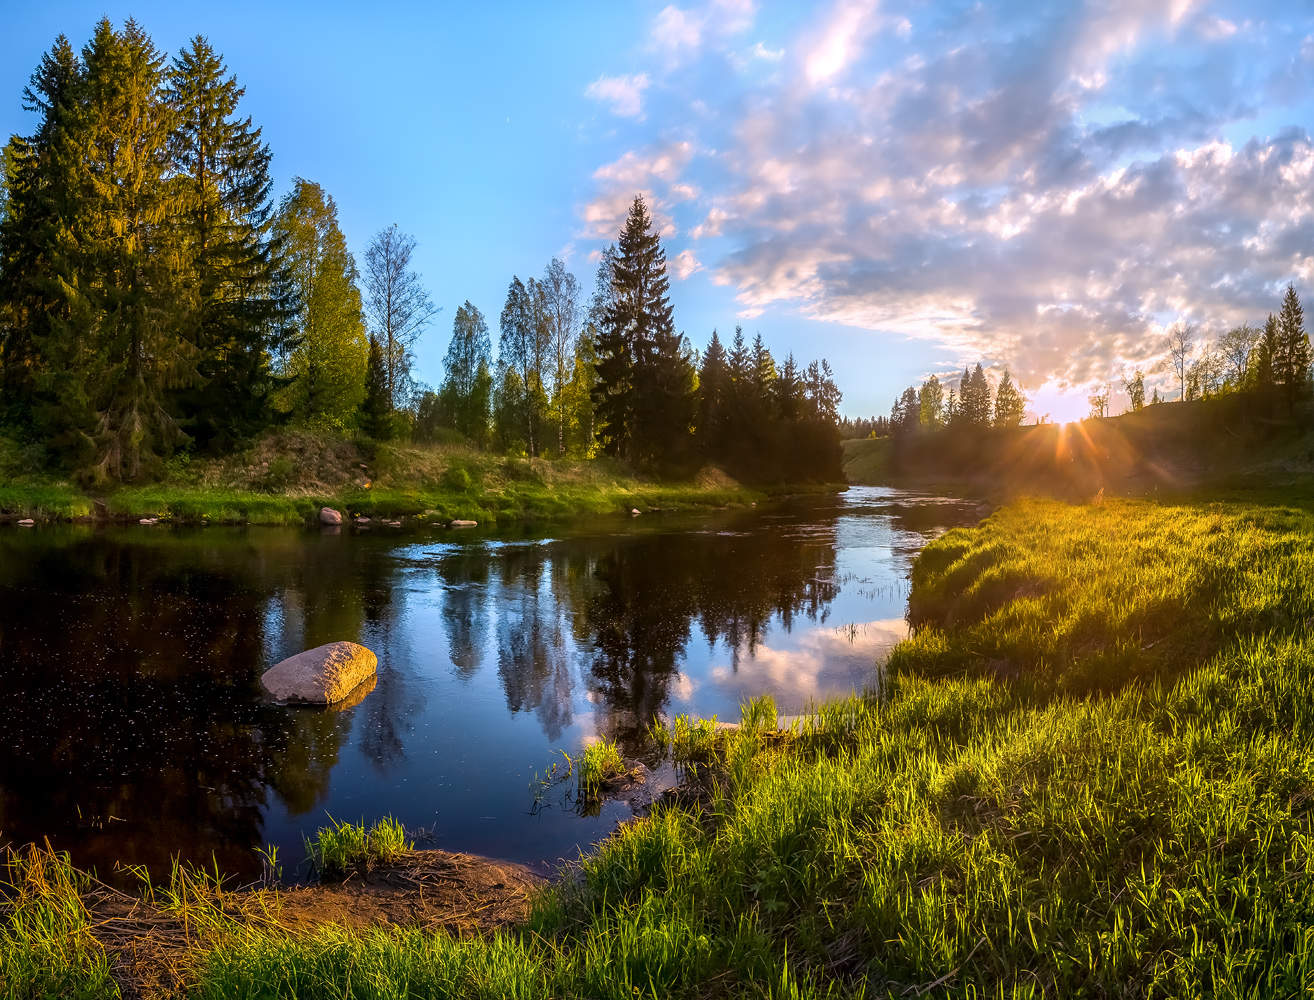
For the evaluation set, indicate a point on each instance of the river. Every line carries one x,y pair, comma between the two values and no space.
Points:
132,727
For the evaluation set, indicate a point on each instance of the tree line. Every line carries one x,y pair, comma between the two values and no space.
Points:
156,297
972,403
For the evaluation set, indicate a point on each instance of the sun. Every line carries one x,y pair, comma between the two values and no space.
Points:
1059,404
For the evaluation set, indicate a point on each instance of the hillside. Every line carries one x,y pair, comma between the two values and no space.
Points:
1169,447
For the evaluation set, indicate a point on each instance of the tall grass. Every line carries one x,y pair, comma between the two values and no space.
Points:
46,946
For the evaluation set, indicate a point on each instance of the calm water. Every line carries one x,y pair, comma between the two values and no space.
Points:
132,725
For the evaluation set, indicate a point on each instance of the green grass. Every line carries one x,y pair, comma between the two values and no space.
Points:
600,762
340,848
1090,772
286,477
868,460
46,947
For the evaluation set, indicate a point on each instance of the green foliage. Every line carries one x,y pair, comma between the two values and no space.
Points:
465,400
326,369
340,848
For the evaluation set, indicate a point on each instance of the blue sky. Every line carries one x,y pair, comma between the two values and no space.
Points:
902,187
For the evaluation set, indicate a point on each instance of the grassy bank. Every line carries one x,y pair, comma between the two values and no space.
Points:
287,477
1089,773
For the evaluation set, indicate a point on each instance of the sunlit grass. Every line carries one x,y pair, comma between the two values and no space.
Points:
341,847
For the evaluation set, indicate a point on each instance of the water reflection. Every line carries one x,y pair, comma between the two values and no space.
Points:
134,728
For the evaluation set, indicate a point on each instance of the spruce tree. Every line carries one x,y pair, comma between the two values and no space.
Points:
237,293
713,386
376,407
1267,357
1293,348
37,197
1010,406
789,391
118,263
644,391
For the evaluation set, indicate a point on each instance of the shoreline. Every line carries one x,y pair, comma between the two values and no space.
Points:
194,506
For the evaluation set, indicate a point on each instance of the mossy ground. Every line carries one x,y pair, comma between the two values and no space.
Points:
1090,772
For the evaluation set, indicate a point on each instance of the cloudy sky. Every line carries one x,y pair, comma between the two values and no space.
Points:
903,187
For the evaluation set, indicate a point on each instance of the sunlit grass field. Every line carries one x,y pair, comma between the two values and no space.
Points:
1090,772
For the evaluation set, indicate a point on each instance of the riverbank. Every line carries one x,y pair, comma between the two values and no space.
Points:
1087,773
287,477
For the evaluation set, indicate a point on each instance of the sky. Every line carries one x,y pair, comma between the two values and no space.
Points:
903,187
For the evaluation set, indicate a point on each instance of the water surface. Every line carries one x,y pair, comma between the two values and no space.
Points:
132,726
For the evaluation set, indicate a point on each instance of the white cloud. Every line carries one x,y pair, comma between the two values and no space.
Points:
841,39
623,93
675,29
760,51
685,264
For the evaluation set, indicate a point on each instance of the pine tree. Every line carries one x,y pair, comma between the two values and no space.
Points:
238,306
643,394
326,368
119,262
1293,357
790,389
1267,357
713,389
466,392
37,197
1010,406
976,400
376,407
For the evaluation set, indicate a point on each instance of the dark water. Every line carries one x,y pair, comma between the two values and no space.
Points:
132,726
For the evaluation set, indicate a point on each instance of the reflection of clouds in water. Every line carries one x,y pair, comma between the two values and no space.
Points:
682,687
824,662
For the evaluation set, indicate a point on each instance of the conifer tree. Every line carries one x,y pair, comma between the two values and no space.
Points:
976,400
1267,356
237,293
713,390
1293,357
789,391
644,385
1010,406
376,407
326,367
36,198
118,263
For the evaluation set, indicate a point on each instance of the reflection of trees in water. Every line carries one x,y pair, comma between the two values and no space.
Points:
632,603
464,573
132,679
533,655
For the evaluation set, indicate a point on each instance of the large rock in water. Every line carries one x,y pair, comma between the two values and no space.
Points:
321,676
327,515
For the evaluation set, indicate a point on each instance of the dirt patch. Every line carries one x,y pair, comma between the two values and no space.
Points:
155,949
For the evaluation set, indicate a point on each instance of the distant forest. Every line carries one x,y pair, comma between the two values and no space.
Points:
1269,365
156,299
